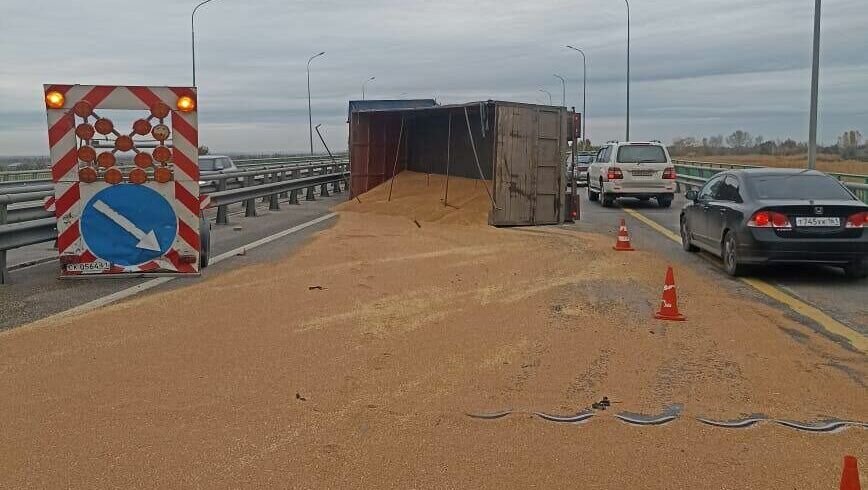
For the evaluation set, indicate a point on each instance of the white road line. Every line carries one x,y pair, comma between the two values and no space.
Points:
131,291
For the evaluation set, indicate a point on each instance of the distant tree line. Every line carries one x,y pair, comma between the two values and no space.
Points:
850,146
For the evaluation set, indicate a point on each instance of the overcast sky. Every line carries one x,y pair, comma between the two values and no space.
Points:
700,67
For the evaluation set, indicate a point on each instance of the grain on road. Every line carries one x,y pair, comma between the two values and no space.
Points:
352,363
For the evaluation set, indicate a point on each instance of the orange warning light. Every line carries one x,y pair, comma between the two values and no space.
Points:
124,143
106,159
138,176
159,110
162,175
186,104
142,127
87,175
162,154
84,131
87,154
54,99
143,160
82,109
113,176
104,126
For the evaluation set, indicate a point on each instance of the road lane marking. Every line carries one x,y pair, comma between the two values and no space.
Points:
857,340
131,291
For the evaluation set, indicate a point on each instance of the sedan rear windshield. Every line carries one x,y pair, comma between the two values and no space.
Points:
798,187
207,164
641,154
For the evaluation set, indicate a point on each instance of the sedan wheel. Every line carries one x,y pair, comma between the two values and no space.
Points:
685,237
730,256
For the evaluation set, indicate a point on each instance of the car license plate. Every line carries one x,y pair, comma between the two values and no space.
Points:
642,173
818,222
89,267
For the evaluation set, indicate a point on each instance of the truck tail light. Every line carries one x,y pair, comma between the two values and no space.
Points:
614,173
669,173
858,220
188,259
69,259
770,219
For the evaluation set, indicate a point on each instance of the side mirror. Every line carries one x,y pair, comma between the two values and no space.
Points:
692,195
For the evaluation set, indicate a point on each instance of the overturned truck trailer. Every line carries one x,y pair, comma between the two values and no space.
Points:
519,149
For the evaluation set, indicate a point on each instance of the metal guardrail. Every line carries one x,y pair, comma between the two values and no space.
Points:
693,174
18,177
23,221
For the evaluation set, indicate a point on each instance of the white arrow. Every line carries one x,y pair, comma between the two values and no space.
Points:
147,241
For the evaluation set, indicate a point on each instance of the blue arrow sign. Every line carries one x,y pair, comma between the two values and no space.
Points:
128,224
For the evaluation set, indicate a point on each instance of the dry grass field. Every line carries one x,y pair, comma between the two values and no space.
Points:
825,162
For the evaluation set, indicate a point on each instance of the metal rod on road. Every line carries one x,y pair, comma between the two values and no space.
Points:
397,154
564,87
309,110
365,83
322,140
815,89
584,95
476,157
193,36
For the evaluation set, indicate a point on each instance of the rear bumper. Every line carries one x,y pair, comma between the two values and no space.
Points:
764,247
637,189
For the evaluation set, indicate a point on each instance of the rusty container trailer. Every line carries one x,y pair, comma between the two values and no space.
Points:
518,148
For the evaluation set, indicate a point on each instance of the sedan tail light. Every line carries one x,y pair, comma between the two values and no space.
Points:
614,173
770,219
669,173
858,220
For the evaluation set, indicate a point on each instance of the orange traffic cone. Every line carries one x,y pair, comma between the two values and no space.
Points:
669,306
850,477
623,243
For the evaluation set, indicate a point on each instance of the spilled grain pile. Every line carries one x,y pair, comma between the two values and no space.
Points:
420,197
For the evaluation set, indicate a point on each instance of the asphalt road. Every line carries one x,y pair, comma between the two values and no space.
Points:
825,288
35,292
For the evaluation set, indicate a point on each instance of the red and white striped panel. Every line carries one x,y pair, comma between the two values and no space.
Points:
71,194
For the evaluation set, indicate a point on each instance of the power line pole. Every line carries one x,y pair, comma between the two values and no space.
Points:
815,89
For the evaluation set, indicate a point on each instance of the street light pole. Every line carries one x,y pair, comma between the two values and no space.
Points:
564,87
365,83
309,110
547,93
193,36
584,93
628,69
815,89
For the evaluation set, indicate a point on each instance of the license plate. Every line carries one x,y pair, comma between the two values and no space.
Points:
819,222
642,173
89,267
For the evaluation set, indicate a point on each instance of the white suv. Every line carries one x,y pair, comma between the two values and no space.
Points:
632,169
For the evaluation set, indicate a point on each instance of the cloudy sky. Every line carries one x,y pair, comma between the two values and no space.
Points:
700,67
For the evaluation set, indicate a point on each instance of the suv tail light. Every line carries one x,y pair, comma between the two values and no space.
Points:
770,219
669,173
614,173
858,220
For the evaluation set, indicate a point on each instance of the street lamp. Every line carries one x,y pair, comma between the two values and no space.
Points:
365,83
547,93
628,69
193,36
309,111
564,87
815,88
584,92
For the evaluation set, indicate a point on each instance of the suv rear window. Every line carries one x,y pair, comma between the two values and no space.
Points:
641,154
798,187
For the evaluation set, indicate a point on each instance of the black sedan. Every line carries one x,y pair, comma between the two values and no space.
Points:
768,216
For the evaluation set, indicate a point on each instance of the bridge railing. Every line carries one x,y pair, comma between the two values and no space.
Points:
693,174
24,221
